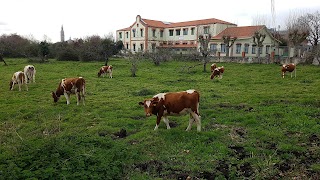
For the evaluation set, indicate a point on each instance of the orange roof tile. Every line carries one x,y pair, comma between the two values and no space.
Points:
239,32
164,24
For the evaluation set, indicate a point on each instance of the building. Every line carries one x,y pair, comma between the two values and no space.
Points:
147,35
62,34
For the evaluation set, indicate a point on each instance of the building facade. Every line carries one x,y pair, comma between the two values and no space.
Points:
146,35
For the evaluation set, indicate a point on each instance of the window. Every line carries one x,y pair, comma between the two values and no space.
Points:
246,48
161,33
253,51
178,32
134,32
267,49
127,46
223,48
238,48
185,31
134,47
170,32
120,35
213,47
153,33
206,30
260,50
141,47
127,33
192,31
141,32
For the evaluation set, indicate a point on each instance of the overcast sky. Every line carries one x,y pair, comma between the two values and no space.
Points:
42,19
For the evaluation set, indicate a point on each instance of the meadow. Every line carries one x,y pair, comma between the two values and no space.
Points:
255,124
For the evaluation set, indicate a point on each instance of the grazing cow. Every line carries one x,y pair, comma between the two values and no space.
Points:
70,86
213,66
104,70
18,78
288,67
30,73
217,72
174,104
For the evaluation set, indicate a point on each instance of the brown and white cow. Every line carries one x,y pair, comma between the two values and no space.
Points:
288,67
18,78
174,104
217,72
70,86
105,70
213,66
30,73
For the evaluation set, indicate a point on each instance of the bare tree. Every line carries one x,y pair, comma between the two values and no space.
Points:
258,39
1,59
204,48
228,41
158,54
134,60
297,33
311,24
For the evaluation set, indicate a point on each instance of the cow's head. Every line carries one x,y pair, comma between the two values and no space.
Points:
99,73
149,106
55,97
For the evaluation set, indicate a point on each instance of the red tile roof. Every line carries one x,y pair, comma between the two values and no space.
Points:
163,24
239,32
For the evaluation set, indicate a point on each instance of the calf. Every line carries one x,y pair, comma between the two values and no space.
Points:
213,66
217,72
18,78
104,70
30,72
174,104
70,86
288,67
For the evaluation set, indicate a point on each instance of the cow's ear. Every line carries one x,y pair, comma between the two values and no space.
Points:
141,103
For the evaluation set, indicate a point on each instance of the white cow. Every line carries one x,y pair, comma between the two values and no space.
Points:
30,73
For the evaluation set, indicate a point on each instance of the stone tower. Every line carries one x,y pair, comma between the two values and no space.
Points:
62,34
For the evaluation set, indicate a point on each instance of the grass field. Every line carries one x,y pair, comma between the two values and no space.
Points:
255,124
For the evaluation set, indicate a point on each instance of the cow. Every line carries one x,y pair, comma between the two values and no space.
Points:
18,78
213,66
70,86
288,67
217,72
104,70
30,73
174,104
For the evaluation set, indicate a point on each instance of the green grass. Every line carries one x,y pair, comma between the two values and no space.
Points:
255,124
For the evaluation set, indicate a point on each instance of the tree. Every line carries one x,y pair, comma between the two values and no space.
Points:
296,32
258,39
158,55
1,59
311,24
134,60
204,49
228,41
44,50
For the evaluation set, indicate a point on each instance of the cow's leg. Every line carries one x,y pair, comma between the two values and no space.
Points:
166,121
19,84
67,97
158,122
197,118
78,97
26,86
110,74
12,86
190,122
